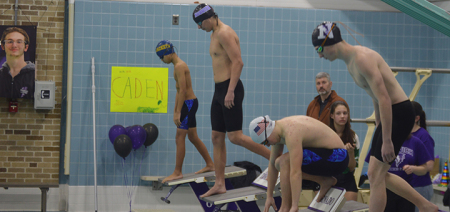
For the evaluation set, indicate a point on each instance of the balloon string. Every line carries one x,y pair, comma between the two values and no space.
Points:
126,182
140,165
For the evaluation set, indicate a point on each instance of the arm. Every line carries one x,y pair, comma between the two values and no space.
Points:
176,103
371,73
418,170
377,112
272,176
422,157
351,157
295,147
231,47
180,71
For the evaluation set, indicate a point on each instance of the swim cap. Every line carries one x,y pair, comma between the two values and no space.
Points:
257,127
322,30
164,47
202,12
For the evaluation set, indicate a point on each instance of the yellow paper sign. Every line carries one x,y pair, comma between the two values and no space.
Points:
137,89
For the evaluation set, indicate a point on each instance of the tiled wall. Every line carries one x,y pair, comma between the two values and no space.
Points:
278,75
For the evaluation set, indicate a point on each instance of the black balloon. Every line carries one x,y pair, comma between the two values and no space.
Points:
152,134
123,145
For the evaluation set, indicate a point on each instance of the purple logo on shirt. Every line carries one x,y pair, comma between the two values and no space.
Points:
23,91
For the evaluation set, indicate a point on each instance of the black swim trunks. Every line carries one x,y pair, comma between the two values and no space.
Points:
222,118
188,112
347,181
402,124
324,162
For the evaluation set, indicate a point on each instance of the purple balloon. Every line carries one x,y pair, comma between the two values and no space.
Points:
138,135
115,131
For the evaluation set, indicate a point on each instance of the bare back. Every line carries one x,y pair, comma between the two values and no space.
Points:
367,57
183,68
221,62
311,132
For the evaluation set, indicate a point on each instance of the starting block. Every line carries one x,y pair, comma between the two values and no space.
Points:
334,201
245,197
198,184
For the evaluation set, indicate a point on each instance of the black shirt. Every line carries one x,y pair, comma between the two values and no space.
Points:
21,86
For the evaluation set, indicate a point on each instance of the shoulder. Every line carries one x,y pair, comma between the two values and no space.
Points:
336,97
415,140
226,33
313,102
365,57
180,67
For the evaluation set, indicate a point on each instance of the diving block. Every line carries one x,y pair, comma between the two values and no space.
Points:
198,184
349,206
334,201
156,184
230,171
245,197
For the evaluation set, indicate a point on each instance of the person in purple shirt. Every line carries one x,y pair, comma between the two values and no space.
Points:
422,184
410,161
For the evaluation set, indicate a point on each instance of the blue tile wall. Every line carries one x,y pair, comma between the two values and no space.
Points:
277,53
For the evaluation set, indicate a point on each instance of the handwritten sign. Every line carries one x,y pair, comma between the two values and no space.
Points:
138,89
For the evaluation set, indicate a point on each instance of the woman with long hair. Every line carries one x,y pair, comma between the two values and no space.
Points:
340,123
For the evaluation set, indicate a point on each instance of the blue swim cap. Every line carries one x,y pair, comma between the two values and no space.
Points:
164,47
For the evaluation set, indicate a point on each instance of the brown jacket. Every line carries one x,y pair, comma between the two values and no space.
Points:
314,107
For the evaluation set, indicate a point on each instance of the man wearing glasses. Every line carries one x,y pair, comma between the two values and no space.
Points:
226,106
16,76
394,113
315,153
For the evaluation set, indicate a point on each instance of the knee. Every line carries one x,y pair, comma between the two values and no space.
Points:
217,138
235,138
375,177
281,161
192,136
180,135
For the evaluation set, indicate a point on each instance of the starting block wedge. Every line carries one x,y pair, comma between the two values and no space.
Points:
245,197
334,201
198,184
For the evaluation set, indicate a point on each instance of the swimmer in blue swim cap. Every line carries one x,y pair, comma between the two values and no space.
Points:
394,113
186,105
226,107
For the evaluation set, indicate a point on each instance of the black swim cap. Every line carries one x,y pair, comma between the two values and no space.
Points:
202,12
322,30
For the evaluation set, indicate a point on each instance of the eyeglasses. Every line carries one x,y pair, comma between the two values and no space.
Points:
265,142
19,42
320,49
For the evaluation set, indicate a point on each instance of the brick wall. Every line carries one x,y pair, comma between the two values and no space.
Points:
29,139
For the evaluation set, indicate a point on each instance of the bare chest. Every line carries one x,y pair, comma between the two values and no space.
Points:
357,77
215,48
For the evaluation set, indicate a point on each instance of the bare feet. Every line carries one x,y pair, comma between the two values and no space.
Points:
325,186
173,177
206,169
216,189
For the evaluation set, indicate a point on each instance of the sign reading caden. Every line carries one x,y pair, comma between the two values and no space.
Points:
138,89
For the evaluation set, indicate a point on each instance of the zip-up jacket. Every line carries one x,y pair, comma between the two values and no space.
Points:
314,107
21,86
